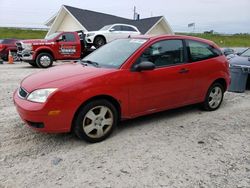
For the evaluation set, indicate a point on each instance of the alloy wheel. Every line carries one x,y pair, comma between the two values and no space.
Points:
98,121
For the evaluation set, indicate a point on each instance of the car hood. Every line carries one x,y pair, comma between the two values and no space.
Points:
62,75
240,61
37,41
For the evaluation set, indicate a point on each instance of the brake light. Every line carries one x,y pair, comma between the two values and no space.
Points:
2,47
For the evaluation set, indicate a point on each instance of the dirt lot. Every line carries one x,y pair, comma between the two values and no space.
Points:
179,148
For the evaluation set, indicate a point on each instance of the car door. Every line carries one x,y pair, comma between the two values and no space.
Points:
68,46
202,65
164,87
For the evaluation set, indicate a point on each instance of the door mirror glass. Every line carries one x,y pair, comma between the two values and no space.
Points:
144,66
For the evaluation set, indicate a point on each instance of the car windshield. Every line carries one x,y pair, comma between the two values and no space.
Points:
51,36
1,40
105,28
114,54
246,53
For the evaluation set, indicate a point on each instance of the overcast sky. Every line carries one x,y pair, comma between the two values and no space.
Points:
224,16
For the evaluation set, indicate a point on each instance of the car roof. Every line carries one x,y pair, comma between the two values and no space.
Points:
186,37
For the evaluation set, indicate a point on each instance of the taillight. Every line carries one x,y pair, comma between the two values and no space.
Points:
2,47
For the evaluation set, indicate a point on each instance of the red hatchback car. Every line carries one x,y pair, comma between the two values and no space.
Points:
124,79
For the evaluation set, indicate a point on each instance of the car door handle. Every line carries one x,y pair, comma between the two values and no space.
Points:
182,71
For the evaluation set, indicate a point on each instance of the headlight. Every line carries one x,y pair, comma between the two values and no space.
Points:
27,46
40,95
90,34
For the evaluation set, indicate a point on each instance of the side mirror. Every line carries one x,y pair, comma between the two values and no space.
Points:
112,30
62,38
144,66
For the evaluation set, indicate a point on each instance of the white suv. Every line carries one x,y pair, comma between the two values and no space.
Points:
109,33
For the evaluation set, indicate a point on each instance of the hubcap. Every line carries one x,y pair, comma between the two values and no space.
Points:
98,121
215,97
45,61
100,42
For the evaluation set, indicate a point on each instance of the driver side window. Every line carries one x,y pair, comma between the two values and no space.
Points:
116,28
68,37
164,53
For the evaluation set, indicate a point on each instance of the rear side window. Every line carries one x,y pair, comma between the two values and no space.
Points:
8,41
200,51
127,28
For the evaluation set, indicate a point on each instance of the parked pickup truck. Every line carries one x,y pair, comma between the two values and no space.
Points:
58,46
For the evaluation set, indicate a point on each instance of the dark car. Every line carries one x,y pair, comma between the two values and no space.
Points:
227,51
7,45
242,59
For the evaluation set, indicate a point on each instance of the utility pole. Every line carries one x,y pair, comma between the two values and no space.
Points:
135,14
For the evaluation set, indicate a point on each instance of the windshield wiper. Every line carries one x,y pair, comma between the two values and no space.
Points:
90,62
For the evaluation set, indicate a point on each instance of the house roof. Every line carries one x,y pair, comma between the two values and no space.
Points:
93,21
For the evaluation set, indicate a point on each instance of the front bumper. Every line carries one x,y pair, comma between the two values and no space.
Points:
25,55
90,39
36,115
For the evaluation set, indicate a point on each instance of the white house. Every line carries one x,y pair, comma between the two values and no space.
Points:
74,19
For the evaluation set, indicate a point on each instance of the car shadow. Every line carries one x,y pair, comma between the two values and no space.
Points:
148,119
128,124
248,82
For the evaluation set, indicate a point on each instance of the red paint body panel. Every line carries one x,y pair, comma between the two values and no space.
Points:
138,93
54,47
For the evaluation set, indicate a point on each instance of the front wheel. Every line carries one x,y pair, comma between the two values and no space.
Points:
15,56
99,41
44,60
214,97
95,121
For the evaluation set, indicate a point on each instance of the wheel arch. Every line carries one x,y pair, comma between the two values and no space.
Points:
98,97
100,35
45,51
222,81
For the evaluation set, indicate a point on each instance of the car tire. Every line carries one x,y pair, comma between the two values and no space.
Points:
95,121
15,56
99,41
214,97
44,60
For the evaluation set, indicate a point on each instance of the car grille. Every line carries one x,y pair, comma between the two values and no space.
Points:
22,93
19,46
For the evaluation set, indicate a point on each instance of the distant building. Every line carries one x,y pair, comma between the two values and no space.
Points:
74,19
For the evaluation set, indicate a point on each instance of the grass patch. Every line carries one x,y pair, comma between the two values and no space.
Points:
236,40
21,33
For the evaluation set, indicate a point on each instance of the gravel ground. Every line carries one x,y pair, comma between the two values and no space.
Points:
185,147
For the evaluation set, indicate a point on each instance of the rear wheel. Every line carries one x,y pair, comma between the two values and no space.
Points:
96,121
44,60
99,41
214,97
